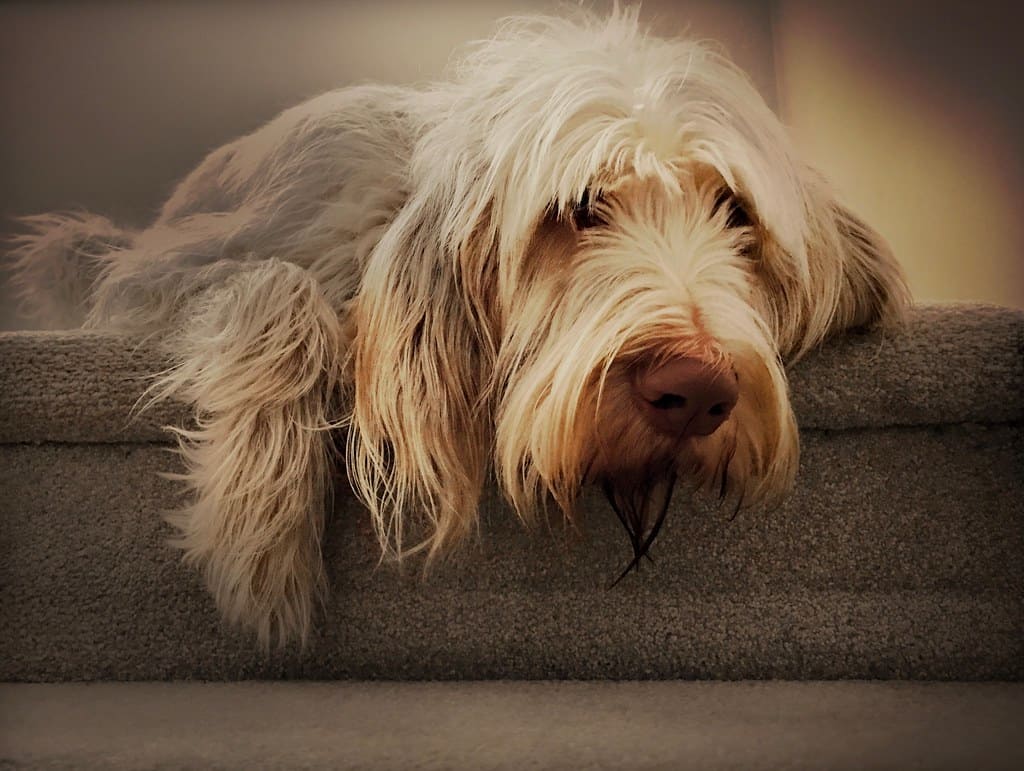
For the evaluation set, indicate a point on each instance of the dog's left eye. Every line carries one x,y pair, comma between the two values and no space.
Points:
585,214
737,216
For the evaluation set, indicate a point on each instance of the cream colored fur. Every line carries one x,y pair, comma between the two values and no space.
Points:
415,265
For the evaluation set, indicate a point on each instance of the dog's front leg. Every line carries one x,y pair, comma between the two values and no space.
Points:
260,357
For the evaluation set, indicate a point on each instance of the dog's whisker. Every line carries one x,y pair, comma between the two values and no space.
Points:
660,518
739,505
726,460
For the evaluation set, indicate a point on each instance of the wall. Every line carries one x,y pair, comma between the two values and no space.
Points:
915,111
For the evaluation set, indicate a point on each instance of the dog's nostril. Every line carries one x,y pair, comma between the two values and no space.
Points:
669,402
718,409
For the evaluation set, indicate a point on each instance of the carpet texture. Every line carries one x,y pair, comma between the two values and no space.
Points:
513,726
899,555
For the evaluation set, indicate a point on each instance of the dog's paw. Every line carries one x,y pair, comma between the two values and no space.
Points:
264,576
259,362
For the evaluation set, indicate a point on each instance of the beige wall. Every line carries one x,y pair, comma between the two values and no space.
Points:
105,105
915,112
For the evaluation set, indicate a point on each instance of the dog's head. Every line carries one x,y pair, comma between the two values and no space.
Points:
608,252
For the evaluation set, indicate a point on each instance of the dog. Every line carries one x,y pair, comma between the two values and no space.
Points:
584,259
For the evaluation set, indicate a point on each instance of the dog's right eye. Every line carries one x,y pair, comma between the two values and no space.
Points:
585,214
737,214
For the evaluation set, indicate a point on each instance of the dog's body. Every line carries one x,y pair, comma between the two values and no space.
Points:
582,260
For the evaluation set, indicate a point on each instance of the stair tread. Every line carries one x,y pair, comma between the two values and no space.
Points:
514,725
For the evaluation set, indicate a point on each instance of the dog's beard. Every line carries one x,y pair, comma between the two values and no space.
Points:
607,443
641,506
640,471
641,497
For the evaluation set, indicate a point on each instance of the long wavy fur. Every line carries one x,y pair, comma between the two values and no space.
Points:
261,360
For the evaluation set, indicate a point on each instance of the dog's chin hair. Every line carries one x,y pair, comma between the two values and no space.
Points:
746,463
641,503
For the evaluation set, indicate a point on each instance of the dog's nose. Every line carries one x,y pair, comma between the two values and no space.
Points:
687,397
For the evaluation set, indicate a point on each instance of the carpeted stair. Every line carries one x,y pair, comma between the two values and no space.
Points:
514,725
900,554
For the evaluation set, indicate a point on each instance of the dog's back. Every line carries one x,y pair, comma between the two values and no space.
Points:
315,186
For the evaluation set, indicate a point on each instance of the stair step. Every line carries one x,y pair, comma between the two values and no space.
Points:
513,725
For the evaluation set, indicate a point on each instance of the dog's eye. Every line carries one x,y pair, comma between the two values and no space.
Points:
737,216
585,214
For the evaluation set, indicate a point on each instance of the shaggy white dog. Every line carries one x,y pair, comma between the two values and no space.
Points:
583,259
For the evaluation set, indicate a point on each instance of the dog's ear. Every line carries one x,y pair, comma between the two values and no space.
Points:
873,287
835,273
419,437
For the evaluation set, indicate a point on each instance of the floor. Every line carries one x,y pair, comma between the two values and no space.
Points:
513,725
